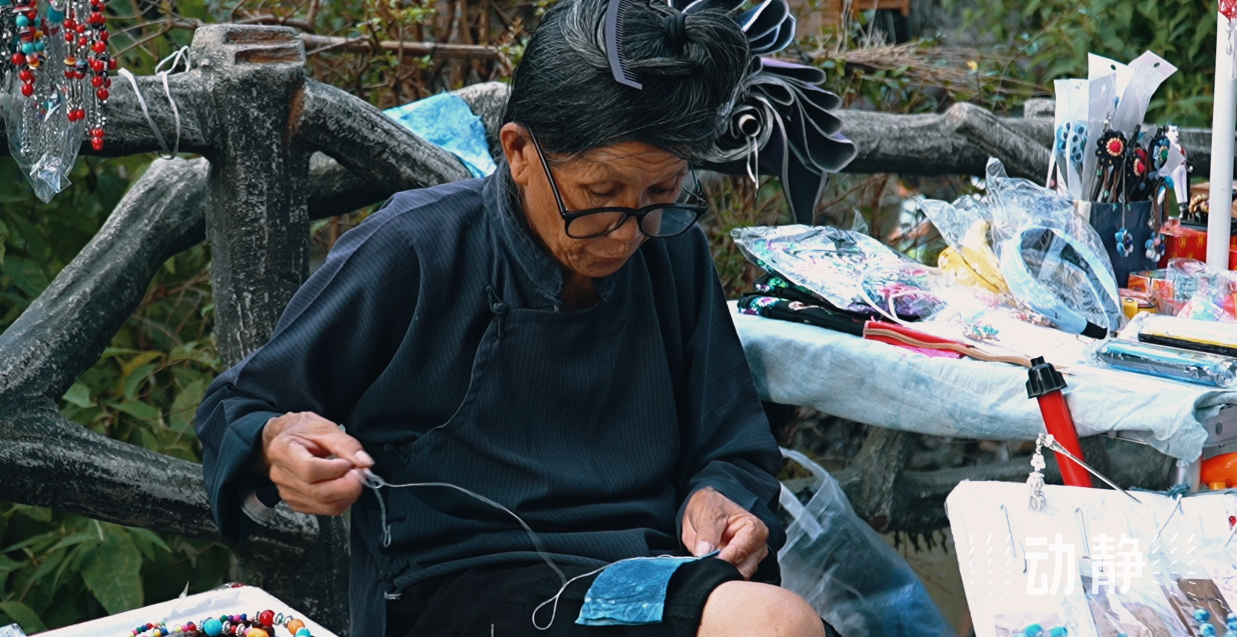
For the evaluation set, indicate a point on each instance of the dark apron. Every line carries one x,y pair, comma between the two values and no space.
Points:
570,421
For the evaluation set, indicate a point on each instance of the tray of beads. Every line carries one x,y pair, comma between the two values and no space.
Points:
233,610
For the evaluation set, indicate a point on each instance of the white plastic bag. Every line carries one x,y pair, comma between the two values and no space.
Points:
846,571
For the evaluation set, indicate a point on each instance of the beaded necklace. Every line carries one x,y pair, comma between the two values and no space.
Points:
57,50
262,624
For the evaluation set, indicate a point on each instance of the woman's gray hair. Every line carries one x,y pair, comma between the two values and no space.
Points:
564,91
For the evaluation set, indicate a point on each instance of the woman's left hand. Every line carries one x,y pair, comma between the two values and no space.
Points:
713,522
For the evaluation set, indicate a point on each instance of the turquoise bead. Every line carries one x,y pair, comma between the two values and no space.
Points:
1208,630
1059,631
54,15
27,47
39,46
304,632
23,21
1034,630
1202,614
212,627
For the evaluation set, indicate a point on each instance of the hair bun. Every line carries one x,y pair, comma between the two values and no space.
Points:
675,26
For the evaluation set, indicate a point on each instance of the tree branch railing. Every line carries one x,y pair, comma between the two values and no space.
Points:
278,150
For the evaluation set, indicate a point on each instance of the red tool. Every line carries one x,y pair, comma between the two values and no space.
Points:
1045,384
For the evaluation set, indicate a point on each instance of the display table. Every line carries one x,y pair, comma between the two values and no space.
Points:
886,386
225,601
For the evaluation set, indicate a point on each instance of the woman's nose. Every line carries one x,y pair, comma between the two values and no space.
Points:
628,232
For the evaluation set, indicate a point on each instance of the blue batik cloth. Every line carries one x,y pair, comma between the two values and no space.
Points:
631,592
446,121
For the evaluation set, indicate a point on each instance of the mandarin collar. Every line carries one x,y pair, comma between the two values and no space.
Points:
516,236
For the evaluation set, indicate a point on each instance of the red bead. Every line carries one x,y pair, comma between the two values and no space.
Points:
103,35
267,617
101,94
111,64
27,89
70,74
96,132
80,28
107,82
26,75
82,41
96,17
18,59
99,46
96,65
70,24
96,81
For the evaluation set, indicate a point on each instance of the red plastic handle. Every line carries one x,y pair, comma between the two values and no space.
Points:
1061,425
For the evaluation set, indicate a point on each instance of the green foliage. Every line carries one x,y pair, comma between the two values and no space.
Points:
1054,37
56,568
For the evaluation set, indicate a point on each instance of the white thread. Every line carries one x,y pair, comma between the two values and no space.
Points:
376,482
554,608
181,55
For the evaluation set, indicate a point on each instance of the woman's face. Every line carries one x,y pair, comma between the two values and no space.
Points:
630,174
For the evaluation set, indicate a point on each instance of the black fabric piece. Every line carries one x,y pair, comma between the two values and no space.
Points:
440,307
798,312
469,603
675,25
1094,331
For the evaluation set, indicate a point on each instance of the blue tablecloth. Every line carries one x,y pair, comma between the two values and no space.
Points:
886,386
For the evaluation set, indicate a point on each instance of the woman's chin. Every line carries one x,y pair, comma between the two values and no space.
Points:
599,267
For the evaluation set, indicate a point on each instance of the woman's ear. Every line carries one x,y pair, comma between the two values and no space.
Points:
519,152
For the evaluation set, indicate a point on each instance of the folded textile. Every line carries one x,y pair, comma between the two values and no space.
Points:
446,120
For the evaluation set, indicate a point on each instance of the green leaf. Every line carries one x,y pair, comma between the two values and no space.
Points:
116,351
147,541
137,377
79,395
27,275
138,361
49,564
185,406
25,617
112,571
137,409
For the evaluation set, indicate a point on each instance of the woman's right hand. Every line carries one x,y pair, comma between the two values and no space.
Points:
313,462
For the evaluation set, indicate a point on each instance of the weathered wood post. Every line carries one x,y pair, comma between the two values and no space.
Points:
257,224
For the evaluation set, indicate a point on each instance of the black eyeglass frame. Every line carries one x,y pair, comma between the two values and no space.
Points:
698,210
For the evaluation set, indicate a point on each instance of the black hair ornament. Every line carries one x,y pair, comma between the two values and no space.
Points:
781,113
781,123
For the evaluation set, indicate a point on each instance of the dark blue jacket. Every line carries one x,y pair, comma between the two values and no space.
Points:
386,337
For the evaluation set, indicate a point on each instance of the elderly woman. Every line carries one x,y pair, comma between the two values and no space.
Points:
553,338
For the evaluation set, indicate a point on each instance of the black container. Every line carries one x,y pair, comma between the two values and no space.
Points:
1107,218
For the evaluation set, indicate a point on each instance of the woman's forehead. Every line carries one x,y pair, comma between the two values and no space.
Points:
630,160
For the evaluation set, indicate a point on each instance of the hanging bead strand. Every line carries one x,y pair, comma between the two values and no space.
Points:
101,64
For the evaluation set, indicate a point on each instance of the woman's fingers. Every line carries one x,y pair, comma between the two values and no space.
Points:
312,461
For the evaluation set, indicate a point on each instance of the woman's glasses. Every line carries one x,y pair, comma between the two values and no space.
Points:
656,220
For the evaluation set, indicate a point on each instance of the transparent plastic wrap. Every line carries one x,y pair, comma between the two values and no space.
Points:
846,571
42,140
1052,259
828,261
1184,333
1201,291
1042,252
1168,362
1141,610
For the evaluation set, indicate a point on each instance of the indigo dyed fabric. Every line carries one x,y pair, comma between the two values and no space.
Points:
446,121
630,592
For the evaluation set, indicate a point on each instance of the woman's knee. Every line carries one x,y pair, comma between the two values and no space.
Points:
758,610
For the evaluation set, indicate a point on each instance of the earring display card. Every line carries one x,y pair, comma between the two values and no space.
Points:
1098,560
